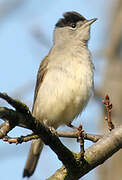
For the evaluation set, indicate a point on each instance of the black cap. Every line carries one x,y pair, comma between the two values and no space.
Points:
69,19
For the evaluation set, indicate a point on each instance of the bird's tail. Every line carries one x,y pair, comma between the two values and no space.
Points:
33,157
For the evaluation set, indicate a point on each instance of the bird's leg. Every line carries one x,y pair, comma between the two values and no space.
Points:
71,126
80,128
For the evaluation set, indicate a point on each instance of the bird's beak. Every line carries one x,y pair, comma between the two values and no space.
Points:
89,22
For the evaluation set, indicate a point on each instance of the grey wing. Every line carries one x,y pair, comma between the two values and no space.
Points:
40,77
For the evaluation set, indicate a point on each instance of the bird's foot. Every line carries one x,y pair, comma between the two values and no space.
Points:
80,128
53,130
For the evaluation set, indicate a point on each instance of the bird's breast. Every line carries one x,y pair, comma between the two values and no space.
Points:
65,91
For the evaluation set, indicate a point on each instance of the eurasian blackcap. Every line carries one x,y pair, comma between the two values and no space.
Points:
65,79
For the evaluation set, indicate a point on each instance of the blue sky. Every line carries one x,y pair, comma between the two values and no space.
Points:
20,56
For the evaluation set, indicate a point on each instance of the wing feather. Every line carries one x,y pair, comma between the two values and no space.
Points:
40,77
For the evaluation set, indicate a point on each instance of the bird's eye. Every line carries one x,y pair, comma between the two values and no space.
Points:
73,25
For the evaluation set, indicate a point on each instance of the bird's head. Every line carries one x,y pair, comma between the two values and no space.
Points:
72,27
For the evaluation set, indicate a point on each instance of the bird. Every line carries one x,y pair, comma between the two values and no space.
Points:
65,79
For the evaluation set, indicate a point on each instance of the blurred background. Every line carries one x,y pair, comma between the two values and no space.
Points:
26,33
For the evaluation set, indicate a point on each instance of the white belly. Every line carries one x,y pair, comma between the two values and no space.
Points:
63,95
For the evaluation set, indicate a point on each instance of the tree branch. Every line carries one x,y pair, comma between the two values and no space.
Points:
95,155
74,165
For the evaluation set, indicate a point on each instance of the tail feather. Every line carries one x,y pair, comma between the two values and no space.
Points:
33,157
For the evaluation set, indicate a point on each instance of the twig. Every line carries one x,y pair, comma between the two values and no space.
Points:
1,125
74,134
21,139
81,140
92,137
108,107
4,129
